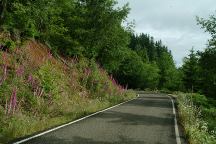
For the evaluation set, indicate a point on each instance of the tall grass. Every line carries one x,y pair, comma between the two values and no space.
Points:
196,128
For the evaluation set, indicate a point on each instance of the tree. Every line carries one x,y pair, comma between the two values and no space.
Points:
137,74
168,72
155,54
3,8
210,26
131,71
151,76
207,59
190,70
207,62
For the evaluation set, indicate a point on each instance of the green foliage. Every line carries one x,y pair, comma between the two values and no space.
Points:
190,70
81,27
199,69
199,100
193,120
6,43
168,72
210,26
3,10
151,76
209,115
208,110
131,71
51,80
98,83
137,74
199,72
207,63
159,70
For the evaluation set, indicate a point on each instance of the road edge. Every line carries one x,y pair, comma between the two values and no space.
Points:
178,139
69,123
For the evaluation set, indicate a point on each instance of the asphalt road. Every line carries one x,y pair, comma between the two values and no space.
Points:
146,120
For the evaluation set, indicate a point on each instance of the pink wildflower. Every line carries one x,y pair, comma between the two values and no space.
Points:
87,71
49,55
4,75
13,102
4,57
30,78
20,71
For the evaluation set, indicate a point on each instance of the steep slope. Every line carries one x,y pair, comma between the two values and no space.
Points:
38,90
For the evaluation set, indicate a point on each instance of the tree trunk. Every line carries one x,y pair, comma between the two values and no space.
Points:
3,11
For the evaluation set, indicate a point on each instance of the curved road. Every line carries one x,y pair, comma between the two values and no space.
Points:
148,119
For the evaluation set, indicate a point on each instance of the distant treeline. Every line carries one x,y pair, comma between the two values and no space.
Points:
149,64
93,29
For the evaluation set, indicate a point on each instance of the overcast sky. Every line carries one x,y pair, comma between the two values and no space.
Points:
172,21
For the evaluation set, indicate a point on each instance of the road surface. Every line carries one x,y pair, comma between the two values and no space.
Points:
148,119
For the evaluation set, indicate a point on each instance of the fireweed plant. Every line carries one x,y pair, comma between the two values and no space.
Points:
36,97
4,69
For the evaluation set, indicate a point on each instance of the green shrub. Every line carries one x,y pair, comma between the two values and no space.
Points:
199,100
209,115
164,90
8,44
51,80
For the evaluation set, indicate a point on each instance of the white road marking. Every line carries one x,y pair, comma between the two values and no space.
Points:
64,125
178,140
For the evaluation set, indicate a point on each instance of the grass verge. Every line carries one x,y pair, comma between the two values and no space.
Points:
194,121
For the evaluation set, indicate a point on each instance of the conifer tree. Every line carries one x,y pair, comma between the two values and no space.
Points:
190,70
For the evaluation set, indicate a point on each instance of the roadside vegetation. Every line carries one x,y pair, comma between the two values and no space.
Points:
39,91
198,108
197,115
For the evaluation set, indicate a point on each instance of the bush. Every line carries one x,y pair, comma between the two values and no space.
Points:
209,115
51,80
199,100
7,44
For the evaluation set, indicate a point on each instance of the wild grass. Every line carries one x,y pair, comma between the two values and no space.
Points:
193,119
37,91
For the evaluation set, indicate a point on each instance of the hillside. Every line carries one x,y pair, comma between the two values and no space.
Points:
39,91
